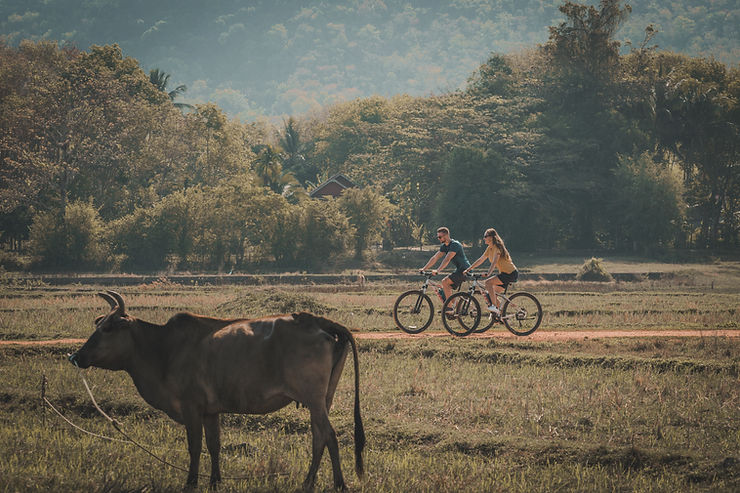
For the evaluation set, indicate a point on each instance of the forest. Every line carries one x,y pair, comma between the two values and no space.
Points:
284,57
576,143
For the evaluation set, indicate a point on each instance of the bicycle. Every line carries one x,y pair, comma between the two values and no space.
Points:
521,312
413,310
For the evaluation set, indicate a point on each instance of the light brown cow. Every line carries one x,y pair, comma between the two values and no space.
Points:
195,367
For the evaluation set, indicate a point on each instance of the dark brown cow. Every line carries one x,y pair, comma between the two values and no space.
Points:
195,367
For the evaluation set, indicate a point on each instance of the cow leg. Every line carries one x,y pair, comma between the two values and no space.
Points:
213,442
317,449
194,428
323,436
333,447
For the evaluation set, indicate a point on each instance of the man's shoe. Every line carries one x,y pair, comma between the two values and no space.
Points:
493,309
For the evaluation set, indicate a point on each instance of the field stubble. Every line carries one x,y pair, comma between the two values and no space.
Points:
442,414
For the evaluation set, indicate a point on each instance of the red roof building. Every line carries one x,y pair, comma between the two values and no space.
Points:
333,187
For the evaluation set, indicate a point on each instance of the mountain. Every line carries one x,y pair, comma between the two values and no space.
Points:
277,57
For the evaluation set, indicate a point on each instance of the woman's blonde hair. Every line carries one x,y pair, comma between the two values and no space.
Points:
498,242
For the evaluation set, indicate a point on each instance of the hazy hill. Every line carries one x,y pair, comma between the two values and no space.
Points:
273,57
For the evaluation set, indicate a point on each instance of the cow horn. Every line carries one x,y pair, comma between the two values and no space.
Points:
121,310
111,301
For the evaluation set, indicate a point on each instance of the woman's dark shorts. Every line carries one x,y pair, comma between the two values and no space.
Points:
457,279
507,279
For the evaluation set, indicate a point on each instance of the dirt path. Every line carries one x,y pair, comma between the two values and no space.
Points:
558,335
537,336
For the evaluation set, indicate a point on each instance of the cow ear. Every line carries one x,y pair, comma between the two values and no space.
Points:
303,317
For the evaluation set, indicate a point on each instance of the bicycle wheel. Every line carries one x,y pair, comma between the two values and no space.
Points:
466,314
487,319
413,312
522,314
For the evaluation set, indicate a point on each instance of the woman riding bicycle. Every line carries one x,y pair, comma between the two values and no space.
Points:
500,259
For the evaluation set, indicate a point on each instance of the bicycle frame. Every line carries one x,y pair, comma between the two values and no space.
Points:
477,286
428,282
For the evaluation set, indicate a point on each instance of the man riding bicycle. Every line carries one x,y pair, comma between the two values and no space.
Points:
452,251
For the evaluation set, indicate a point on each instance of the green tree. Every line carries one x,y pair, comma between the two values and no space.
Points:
324,233
584,49
649,210
479,190
401,230
699,120
294,150
584,130
72,125
156,237
367,212
270,173
161,79
69,241
273,228
217,149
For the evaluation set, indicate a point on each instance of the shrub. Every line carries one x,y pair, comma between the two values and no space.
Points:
148,237
324,232
593,270
400,230
69,241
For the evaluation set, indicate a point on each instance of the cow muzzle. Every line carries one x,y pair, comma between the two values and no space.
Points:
74,358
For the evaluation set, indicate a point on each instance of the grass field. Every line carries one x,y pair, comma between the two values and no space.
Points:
441,414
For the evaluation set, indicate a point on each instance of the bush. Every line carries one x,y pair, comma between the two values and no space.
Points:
12,261
324,233
69,241
400,229
593,270
148,237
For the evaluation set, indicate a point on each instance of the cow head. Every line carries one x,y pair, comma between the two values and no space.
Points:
111,344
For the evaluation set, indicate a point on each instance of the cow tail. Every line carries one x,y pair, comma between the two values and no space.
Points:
359,428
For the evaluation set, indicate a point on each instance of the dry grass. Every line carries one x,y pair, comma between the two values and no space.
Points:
443,414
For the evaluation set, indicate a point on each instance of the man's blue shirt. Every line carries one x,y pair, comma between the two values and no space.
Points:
460,260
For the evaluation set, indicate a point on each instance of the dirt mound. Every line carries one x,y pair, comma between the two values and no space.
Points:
271,302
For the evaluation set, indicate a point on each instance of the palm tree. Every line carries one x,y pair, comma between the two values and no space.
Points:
270,174
293,155
160,79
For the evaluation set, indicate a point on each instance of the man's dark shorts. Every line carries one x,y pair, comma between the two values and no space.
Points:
457,279
507,279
